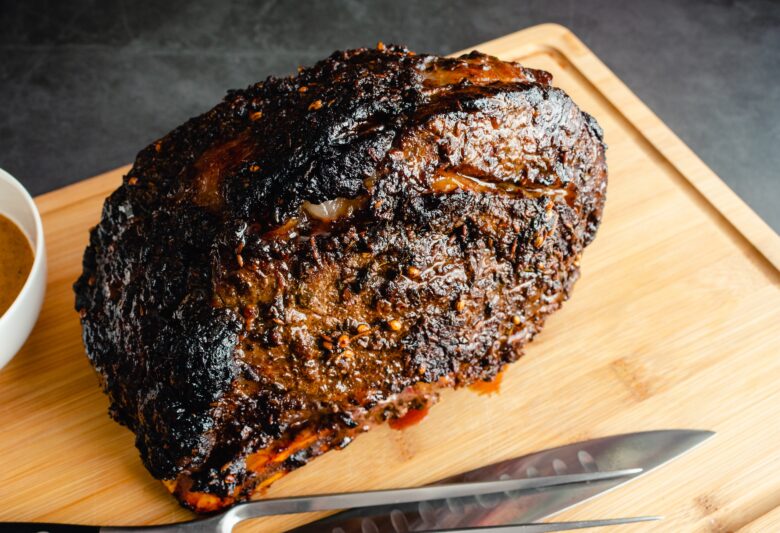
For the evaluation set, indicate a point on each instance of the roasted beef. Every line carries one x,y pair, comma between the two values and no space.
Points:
321,253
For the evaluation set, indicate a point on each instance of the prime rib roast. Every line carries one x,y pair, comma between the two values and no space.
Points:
321,253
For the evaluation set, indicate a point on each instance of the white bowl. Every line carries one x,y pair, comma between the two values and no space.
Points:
18,321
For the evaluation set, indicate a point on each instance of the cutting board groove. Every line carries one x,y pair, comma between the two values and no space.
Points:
675,323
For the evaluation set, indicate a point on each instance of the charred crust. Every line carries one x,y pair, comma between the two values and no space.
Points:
319,253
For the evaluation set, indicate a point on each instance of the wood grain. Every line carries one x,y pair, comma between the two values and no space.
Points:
674,324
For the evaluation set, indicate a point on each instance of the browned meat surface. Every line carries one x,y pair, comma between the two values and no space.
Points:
321,253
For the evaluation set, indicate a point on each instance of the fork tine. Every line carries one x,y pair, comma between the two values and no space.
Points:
380,498
549,526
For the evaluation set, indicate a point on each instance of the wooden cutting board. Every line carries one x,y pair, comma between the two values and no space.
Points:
674,324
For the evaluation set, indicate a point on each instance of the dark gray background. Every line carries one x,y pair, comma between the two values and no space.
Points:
85,85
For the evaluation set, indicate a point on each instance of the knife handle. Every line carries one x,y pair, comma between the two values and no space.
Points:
34,527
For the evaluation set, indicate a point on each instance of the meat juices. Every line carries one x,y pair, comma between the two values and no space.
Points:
321,253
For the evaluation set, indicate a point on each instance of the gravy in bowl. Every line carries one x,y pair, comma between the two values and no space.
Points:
16,260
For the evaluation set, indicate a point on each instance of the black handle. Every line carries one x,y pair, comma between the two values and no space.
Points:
32,527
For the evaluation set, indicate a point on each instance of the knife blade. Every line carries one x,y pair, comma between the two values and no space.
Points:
644,450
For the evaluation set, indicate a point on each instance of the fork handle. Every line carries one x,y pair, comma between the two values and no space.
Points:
35,527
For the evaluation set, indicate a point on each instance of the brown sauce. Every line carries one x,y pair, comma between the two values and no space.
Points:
16,259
